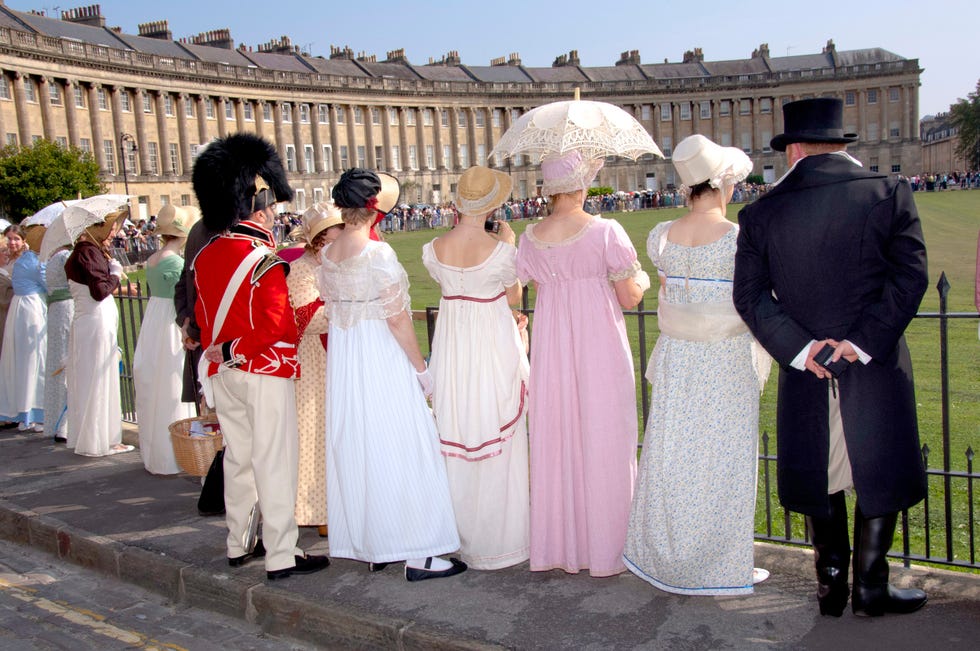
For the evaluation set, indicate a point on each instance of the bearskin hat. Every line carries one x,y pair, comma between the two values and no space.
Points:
224,178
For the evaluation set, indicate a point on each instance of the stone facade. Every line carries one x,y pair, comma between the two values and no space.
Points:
72,81
939,141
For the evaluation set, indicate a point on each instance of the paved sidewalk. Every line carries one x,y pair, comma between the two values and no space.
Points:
110,515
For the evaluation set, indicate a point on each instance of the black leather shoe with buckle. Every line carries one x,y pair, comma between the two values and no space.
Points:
304,565
258,552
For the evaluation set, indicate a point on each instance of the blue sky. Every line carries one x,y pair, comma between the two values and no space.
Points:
942,35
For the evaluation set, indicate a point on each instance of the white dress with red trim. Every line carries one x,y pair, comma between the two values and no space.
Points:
387,492
480,372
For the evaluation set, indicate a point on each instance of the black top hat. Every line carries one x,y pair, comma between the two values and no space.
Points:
813,120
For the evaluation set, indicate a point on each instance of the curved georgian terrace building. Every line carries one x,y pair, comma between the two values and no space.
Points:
144,104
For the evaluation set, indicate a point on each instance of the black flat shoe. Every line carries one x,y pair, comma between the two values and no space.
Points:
304,565
416,574
60,439
258,552
377,567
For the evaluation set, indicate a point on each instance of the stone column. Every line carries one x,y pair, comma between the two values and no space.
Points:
141,139
117,125
166,166
675,125
182,135
777,117
883,102
755,125
736,130
453,162
369,138
240,113
20,104
316,140
222,120
403,137
696,116
334,139
93,115
351,138
202,120
71,114
420,138
44,98
259,113
386,138
713,104
298,143
488,136
657,132
437,137
914,111
862,100
278,130
471,136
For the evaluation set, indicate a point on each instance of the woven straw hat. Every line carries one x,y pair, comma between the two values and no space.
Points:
481,190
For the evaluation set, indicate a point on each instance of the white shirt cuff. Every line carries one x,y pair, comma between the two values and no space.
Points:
862,356
799,362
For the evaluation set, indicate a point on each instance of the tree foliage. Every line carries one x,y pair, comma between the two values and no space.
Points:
599,191
32,177
965,116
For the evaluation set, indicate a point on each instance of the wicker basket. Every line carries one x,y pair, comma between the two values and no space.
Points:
195,453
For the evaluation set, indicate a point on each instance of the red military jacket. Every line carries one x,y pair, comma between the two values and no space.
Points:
259,331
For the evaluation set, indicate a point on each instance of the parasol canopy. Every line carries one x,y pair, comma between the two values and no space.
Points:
596,129
91,211
46,215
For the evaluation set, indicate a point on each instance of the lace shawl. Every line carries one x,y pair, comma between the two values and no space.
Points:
372,285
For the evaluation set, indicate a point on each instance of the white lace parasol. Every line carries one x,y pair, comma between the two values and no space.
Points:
91,211
596,129
46,215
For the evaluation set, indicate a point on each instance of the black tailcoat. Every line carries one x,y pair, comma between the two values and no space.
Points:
834,251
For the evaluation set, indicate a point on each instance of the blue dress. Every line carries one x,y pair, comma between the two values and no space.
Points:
25,344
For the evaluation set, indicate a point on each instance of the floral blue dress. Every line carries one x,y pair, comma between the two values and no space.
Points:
692,518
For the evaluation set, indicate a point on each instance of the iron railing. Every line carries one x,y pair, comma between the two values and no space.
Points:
954,519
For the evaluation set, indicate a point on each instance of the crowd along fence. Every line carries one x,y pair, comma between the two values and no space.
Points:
941,530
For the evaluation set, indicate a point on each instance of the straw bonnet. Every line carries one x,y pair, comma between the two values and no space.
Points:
697,159
318,218
820,119
176,221
569,172
481,190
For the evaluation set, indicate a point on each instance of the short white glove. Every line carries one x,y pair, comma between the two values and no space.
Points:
642,279
426,381
115,268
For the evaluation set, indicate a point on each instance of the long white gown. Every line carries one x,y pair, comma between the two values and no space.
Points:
387,492
94,409
158,370
481,372
60,311
22,360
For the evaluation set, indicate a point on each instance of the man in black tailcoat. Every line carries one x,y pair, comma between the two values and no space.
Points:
834,256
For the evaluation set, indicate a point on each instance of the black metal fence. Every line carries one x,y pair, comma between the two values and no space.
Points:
947,513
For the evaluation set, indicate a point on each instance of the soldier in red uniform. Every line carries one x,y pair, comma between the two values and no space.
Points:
248,332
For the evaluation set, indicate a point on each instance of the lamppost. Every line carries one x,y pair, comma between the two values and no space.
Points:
123,139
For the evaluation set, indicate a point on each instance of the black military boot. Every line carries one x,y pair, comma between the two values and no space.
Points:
832,556
872,595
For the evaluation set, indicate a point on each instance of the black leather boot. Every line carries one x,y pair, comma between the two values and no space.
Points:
872,595
832,556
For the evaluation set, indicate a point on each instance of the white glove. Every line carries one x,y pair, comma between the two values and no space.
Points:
115,268
426,381
642,279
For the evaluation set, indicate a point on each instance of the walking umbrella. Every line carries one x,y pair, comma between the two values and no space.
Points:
54,238
596,129
91,211
45,216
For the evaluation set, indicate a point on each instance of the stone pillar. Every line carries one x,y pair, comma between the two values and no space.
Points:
20,104
736,127
862,100
182,135
334,139
657,131
437,137
420,138
883,103
696,116
93,115
71,114
713,103
316,140
298,143
386,138
278,130
117,125
141,139
777,117
351,138
222,120
166,165
471,136
369,138
240,114
913,114
202,120
403,137
675,125
488,137
453,162
44,98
